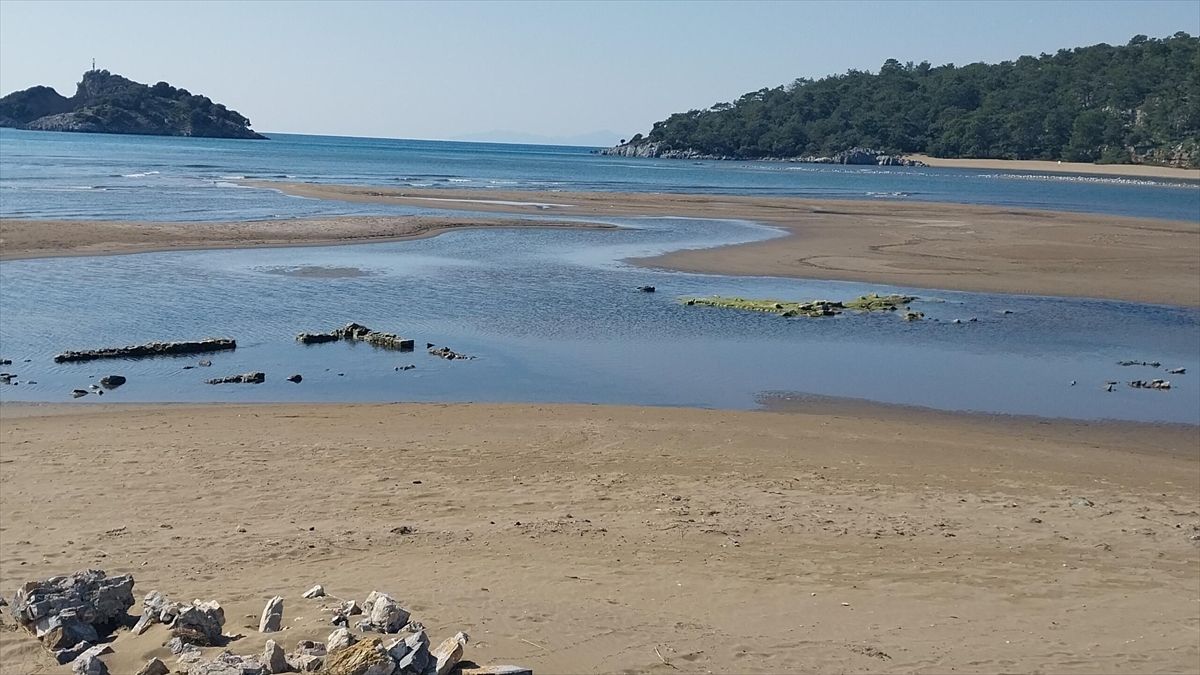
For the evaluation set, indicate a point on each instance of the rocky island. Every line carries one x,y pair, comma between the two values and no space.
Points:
105,103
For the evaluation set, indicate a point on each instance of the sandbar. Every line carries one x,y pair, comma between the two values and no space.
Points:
1078,168
581,538
910,244
21,238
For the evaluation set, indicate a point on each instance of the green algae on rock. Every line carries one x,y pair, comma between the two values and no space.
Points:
866,303
814,308
874,303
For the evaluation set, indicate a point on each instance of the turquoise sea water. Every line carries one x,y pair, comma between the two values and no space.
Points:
551,315
60,175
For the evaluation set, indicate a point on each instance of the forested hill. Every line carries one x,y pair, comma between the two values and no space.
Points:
111,104
1138,103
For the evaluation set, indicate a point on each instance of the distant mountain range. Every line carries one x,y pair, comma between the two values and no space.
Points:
1135,103
595,139
110,104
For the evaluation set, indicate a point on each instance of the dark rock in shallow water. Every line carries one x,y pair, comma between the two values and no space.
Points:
355,332
112,381
148,350
316,338
253,377
295,378
646,289
76,393
446,353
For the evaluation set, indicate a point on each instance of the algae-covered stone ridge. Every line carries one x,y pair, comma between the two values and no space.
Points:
865,303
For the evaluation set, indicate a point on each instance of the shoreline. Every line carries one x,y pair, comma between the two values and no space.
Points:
918,245
22,239
914,245
556,535
1178,439
1053,167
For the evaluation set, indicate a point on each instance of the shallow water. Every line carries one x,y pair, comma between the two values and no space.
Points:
553,316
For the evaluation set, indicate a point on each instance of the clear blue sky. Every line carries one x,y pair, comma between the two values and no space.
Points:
447,70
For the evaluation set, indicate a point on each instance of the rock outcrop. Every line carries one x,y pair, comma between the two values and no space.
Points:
111,104
815,308
859,156
449,354
354,332
252,377
148,350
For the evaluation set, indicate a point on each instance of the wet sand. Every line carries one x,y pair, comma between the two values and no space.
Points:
920,245
57,238
1079,168
582,538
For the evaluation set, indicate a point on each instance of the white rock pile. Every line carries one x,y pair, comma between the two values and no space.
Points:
70,614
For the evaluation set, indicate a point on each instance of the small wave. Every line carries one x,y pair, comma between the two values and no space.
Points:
889,194
142,174
1070,178
232,177
458,180
64,188
419,184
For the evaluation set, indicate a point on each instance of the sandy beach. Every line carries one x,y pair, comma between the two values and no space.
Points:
1079,168
921,245
20,238
583,538
818,536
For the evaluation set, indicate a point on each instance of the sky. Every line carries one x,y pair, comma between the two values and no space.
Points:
536,71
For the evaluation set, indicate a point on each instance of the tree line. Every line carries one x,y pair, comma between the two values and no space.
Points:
1139,102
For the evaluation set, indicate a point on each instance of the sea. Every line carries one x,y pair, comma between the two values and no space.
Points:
550,315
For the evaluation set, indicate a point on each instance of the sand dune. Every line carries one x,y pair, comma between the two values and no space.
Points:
581,538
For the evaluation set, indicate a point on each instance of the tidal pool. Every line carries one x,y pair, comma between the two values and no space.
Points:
555,316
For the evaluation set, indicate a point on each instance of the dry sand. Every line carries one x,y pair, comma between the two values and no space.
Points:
55,238
921,245
1081,168
578,539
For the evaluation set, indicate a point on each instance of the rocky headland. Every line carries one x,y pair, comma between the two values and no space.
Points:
105,103
861,156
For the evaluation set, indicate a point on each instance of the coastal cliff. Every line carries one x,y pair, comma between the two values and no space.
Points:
1137,103
105,103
